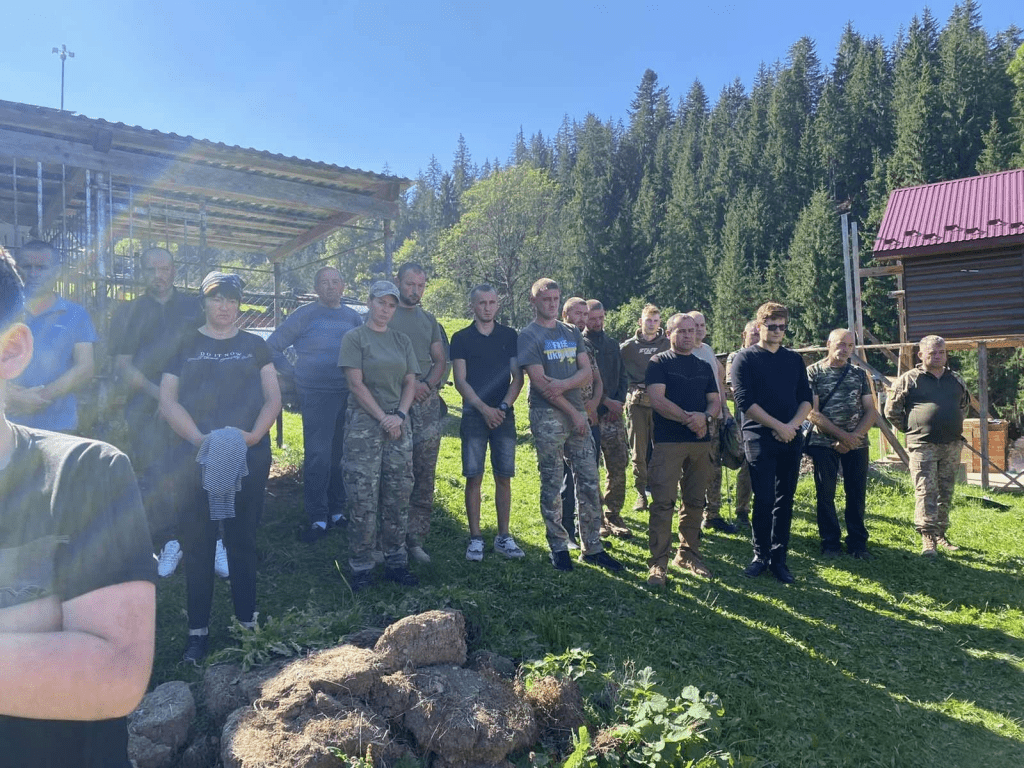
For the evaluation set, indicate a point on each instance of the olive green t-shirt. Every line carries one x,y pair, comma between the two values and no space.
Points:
422,329
384,357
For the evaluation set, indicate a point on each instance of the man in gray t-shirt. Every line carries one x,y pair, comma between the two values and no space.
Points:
554,357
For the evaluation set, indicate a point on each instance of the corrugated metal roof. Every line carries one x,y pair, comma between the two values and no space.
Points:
963,214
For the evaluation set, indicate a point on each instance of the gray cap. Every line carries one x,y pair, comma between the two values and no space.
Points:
383,288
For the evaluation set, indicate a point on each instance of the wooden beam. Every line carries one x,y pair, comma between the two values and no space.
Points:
146,171
983,411
871,369
888,355
892,270
883,425
319,232
74,181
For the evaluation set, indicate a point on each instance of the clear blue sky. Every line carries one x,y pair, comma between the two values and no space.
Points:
366,83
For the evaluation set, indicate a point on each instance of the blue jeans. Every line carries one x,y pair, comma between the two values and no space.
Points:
323,435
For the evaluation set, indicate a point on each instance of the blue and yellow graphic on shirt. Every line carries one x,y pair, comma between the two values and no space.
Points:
560,350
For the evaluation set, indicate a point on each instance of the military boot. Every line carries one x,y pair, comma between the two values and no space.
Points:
928,545
616,525
946,544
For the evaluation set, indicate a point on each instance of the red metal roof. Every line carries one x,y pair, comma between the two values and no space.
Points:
963,214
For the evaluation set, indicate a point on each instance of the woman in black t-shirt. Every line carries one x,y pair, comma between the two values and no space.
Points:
221,377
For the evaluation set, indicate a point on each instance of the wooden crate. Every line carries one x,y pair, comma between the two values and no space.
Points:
998,438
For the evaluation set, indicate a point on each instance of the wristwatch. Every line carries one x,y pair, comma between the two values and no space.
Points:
708,416
503,407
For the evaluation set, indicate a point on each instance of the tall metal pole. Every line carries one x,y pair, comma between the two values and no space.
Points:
64,53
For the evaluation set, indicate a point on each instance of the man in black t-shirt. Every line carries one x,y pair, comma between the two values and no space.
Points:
488,377
770,387
77,602
155,326
684,395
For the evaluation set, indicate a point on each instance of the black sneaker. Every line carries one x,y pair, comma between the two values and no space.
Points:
781,572
862,554
401,576
604,560
312,534
195,651
829,553
361,580
561,560
721,525
756,568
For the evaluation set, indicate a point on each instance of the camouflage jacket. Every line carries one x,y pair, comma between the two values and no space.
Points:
928,409
844,408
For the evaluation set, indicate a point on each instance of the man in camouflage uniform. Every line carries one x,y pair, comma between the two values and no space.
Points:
636,353
424,332
843,410
575,312
929,403
612,431
554,356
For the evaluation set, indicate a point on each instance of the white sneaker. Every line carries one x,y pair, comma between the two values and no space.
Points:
475,550
220,560
170,556
506,545
419,555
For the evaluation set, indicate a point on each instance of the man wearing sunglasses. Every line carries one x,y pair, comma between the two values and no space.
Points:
770,388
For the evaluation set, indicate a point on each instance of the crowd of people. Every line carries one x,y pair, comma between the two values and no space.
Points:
83,523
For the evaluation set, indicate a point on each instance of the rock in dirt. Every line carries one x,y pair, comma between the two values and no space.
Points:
158,728
466,718
226,687
426,639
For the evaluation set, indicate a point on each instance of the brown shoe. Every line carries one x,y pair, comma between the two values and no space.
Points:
688,561
605,530
928,544
613,522
656,576
946,544
641,502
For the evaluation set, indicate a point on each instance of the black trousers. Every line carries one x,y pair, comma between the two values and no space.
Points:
774,471
855,483
199,540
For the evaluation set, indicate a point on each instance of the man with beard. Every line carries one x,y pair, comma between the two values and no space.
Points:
425,415
43,396
155,326
612,444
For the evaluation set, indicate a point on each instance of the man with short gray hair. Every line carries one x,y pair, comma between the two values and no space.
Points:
843,411
315,331
929,403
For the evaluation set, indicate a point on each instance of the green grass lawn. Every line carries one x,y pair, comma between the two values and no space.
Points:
898,662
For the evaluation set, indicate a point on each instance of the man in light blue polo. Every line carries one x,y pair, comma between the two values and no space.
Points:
43,396
315,331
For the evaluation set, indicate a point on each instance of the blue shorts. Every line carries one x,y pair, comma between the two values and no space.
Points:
476,435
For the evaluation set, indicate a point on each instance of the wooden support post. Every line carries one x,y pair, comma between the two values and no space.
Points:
858,310
387,250
14,188
203,256
983,411
279,436
39,200
848,272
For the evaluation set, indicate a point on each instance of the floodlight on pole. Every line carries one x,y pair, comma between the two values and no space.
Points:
64,53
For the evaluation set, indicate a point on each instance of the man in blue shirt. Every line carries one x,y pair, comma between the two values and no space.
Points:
62,361
315,331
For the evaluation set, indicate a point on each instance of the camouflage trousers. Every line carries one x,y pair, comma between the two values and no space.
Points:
933,468
426,443
743,493
616,456
556,443
378,480
640,428
713,495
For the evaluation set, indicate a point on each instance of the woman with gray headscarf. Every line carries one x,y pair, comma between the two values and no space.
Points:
220,395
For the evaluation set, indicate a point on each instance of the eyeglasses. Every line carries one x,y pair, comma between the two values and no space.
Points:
776,327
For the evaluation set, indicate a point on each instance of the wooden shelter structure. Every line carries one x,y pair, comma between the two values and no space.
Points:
86,184
957,251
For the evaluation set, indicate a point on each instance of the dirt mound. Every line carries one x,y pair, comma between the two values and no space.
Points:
434,637
345,671
558,705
